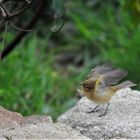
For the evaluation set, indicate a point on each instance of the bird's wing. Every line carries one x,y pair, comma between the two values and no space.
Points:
111,76
100,70
114,76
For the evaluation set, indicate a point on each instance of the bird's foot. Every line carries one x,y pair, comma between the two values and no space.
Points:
94,110
102,115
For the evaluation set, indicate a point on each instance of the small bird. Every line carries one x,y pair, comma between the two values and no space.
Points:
102,83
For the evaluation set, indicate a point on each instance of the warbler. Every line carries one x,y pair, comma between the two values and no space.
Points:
102,83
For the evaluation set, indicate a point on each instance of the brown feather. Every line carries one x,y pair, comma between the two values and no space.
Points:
100,70
113,77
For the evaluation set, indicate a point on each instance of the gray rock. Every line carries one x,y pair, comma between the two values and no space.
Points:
42,131
14,126
121,121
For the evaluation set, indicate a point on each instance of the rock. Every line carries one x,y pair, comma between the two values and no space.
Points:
121,121
9,119
35,119
14,126
42,131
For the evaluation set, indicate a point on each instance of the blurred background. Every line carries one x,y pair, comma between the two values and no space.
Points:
42,75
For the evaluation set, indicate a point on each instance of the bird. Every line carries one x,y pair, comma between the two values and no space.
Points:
102,83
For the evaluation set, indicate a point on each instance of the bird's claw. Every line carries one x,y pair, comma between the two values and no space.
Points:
102,115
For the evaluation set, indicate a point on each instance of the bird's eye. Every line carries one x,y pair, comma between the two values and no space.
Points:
88,88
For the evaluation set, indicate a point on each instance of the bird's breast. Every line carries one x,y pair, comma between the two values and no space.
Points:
102,98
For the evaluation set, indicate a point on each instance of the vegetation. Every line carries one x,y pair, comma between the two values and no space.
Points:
42,75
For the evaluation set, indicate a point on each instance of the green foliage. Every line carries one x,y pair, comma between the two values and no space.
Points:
126,55
133,7
30,84
19,79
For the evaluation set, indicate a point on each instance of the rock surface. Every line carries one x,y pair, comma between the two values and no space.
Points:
121,121
15,126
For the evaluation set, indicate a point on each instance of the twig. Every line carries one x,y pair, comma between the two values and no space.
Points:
8,16
18,28
10,47
4,37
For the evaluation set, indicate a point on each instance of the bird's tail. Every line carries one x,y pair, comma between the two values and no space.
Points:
122,85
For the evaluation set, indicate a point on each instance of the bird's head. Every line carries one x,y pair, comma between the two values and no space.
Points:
88,86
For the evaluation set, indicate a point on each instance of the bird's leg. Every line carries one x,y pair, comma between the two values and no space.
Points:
94,110
105,112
